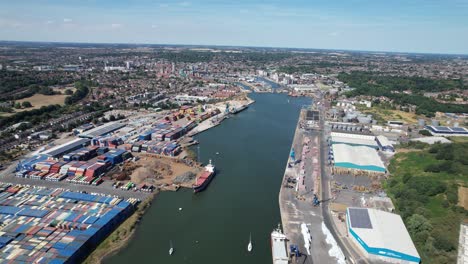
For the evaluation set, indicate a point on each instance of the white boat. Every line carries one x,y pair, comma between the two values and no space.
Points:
171,250
249,246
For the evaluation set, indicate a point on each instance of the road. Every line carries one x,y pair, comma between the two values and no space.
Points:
349,251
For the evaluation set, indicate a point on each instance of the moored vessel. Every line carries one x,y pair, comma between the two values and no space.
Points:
278,247
205,178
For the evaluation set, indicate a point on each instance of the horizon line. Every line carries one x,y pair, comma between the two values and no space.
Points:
233,46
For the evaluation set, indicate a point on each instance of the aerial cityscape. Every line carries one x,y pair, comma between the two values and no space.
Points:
202,136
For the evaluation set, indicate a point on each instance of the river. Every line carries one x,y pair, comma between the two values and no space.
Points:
214,225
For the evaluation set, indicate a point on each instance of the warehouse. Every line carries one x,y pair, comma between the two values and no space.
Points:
447,131
102,130
354,139
382,236
60,150
357,158
384,143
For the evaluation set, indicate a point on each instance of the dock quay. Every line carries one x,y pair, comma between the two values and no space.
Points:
300,194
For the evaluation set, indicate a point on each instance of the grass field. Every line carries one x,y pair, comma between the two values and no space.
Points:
384,115
459,139
39,100
429,196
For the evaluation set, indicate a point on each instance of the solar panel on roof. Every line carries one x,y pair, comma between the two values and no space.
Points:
458,129
442,128
359,218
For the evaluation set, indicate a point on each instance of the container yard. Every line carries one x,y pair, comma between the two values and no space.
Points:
41,225
106,152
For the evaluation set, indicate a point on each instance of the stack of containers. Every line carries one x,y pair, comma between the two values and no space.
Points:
55,177
189,126
171,149
102,158
114,142
145,135
169,136
68,157
57,166
102,150
81,170
44,165
96,169
74,167
136,147
64,169
144,146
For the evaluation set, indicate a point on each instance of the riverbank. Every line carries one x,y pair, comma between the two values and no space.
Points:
121,236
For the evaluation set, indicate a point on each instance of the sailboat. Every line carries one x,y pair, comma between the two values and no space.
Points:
249,246
171,250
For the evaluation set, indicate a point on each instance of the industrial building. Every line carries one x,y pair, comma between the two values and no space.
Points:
60,150
361,158
384,143
381,236
354,139
102,130
41,225
463,244
447,131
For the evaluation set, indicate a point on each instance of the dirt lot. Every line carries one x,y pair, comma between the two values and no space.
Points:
162,171
39,100
463,197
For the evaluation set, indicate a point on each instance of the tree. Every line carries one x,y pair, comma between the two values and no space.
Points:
18,105
425,133
111,118
418,223
23,126
26,104
68,92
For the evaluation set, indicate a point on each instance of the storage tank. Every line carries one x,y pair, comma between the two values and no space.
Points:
365,119
421,122
435,122
456,124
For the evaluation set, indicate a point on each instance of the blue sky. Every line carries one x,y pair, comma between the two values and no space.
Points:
383,25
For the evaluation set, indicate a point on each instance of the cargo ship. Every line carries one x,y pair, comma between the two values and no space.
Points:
278,247
239,109
205,178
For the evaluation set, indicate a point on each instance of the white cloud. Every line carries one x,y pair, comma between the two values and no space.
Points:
67,20
163,5
48,22
116,25
154,26
334,34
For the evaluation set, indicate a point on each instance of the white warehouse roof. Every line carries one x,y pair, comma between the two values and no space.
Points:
384,141
357,157
381,233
